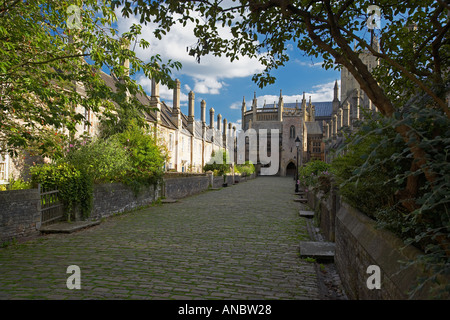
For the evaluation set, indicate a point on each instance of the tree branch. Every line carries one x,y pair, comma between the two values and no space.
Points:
50,60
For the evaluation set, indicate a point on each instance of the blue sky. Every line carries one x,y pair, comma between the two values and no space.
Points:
223,84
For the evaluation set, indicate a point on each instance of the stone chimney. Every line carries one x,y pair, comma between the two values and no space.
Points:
211,118
176,113
191,117
219,122
125,45
176,98
155,102
203,112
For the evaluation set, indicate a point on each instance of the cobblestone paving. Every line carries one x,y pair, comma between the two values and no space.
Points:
240,242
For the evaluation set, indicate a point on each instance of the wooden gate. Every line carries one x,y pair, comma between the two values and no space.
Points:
52,209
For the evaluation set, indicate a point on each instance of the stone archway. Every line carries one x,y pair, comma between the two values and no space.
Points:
291,169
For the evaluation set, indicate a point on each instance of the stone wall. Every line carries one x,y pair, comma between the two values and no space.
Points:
176,188
19,214
359,244
112,198
179,187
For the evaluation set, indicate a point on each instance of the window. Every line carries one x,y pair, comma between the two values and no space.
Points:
292,132
171,142
3,169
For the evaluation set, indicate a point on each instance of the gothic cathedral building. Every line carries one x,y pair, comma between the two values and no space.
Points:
317,125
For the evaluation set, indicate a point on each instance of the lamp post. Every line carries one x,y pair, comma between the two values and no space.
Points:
297,144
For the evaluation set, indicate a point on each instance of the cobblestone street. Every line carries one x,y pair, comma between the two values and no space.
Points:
239,242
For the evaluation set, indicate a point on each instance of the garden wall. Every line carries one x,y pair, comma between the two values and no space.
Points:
112,198
19,214
359,244
178,186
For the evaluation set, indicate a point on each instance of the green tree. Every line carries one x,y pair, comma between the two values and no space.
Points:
51,55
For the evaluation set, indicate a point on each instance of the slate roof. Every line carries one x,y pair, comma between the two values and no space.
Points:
323,109
313,127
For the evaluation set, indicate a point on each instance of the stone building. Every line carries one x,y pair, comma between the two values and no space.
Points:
348,111
189,141
292,120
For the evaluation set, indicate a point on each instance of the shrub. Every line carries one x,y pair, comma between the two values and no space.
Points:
368,190
219,163
245,169
14,184
105,160
75,186
310,173
373,176
145,156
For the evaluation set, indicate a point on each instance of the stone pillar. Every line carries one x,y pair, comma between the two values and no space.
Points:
339,119
244,109
334,126
254,106
280,107
346,115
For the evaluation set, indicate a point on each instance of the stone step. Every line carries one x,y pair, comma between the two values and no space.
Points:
68,227
306,214
302,200
168,201
321,251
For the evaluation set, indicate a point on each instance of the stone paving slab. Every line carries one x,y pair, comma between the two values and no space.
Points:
68,227
306,213
240,242
168,201
321,251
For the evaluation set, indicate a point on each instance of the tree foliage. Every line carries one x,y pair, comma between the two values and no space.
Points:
48,67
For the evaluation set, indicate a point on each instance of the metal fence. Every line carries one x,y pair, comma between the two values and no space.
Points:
52,209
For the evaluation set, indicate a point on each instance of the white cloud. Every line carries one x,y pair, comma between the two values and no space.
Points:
309,63
236,105
207,85
210,74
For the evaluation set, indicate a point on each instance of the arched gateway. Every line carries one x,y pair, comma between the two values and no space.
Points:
290,169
